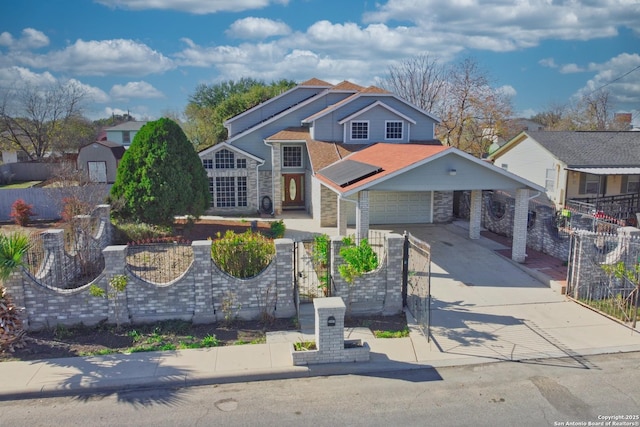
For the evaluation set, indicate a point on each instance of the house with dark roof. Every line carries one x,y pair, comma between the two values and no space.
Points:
348,154
124,133
579,167
99,160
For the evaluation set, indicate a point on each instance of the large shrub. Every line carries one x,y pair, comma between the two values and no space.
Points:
359,259
160,176
242,255
21,212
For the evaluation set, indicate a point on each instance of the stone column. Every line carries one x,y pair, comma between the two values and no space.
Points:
103,212
203,293
53,243
14,287
114,264
285,305
362,216
329,325
276,160
393,297
520,218
342,217
475,214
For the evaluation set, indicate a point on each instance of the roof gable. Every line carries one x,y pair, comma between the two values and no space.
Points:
223,145
373,105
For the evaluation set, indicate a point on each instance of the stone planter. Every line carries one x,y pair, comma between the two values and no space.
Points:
352,351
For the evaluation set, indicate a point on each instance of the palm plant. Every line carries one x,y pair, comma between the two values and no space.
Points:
12,249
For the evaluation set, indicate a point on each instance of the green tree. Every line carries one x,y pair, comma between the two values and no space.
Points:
13,248
211,105
160,176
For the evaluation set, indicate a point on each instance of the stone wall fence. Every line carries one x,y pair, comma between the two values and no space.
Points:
203,293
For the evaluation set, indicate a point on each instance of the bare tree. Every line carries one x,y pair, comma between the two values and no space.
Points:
473,113
34,119
593,112
420,80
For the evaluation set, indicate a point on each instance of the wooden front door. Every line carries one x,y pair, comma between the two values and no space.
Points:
293,190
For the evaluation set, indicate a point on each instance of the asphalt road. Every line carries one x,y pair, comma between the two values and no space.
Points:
553,392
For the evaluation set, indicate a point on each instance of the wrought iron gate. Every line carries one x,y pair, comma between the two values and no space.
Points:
312,277
416,281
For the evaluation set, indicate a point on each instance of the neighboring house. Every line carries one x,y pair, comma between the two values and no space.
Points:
513,128
100,160
577,166
124,133
348,154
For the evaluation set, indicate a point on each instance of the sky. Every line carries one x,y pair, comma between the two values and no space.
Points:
148,56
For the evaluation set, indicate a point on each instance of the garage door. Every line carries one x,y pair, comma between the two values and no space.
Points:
391,207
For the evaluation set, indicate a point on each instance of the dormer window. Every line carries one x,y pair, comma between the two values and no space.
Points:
359,130
393,129
225,160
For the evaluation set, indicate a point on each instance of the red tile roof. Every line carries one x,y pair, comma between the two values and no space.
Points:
390,157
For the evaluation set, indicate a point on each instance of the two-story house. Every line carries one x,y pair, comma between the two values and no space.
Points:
124,133
345,154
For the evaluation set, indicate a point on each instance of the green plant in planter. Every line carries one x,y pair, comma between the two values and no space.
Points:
277,229
359,259
304,345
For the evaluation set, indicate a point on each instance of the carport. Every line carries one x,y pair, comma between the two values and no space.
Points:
414,183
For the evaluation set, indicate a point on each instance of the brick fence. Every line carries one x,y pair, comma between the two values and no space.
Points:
203,294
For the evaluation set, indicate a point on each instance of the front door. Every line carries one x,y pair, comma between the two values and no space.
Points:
293,190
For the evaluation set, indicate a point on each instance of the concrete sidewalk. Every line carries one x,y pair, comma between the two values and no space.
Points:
485,309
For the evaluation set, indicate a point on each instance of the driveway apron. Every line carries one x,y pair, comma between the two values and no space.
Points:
484,305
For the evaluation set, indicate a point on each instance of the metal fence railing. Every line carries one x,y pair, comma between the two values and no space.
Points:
160,262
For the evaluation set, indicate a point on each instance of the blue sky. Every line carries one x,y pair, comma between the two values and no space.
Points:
148,56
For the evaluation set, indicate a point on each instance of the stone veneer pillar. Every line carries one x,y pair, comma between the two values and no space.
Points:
342,217
285,305
203,310
520,219
362,216
475,214
114,264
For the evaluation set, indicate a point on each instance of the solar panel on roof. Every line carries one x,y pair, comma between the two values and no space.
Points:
348,172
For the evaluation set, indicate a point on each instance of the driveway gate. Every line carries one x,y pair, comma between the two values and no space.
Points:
416,281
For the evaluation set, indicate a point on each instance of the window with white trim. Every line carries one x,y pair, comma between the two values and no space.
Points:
393,129
126,137
225,192
360,130
225,159
241,186
592,184
241,163
291,156
207,163
212,192
549,181
633,184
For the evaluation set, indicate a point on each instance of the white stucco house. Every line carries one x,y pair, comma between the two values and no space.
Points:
347,154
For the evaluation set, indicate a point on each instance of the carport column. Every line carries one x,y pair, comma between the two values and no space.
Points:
342,217
475,215
519,243
362,216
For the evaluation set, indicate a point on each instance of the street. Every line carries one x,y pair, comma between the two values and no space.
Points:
570,391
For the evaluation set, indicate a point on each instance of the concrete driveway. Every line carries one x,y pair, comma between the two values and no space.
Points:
484,305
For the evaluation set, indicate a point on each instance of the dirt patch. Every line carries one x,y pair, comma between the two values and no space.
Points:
104,339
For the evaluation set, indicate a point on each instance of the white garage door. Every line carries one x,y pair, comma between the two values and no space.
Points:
391,207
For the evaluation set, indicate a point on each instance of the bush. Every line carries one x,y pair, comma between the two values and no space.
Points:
359,259
242,255
21,212
72,206
277,229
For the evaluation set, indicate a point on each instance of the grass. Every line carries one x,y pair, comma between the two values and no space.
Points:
304,345
612,307
16,185
392,334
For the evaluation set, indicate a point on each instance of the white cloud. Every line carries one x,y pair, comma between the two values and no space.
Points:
93,93
548,62
139,89
620,76
17,77
571,68
503,26
30,39
199,7
507,90
257,28
101,58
